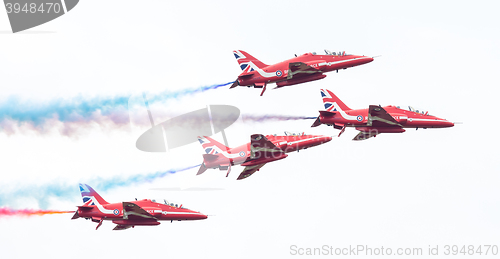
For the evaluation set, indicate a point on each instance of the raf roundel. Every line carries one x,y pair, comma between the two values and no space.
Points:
359,118
242,154
116,212
279,73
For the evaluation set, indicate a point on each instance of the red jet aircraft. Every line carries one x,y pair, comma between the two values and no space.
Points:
301,69
129,214
374,120
254,155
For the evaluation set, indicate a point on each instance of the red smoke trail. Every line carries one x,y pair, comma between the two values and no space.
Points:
5,211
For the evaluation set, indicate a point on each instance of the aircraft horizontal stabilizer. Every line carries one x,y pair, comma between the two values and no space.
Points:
202,169
323,114
316,123
235,84
75,216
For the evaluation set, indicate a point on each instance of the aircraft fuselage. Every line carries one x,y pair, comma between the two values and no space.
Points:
407,119
115,212
279,73
242,155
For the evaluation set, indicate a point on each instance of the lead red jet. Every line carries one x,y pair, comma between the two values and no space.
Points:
254,155
301,69
374,120
129,214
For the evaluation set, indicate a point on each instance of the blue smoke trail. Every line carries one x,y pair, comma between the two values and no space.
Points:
169,95
78,108
136,179
69,191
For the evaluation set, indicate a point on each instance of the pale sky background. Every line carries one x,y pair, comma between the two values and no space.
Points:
420,188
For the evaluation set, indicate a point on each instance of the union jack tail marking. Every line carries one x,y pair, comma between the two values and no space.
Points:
89,194
211,146
247,62
332,102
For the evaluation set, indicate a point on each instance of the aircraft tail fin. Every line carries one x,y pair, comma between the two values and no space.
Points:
332,102
211,146
216,156
89,194
247,61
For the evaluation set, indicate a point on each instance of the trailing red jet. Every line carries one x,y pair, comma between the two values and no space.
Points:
374,120
254,155
301,69
129,214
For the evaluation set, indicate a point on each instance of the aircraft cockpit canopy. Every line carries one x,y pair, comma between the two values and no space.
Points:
165,202
288,133
412,109
330,53
340,53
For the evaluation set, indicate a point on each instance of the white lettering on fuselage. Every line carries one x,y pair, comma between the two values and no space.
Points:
324,64
154,211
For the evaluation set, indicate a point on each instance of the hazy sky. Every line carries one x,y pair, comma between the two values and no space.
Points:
422,188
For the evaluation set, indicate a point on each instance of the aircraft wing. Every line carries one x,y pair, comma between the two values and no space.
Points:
299,68
122,227
379,117
134,211
365,135
261,147
249,170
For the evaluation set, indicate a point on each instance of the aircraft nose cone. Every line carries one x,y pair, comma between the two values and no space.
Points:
320,139
442,123
201,216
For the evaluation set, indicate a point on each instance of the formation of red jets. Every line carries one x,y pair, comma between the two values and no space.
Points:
262,149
